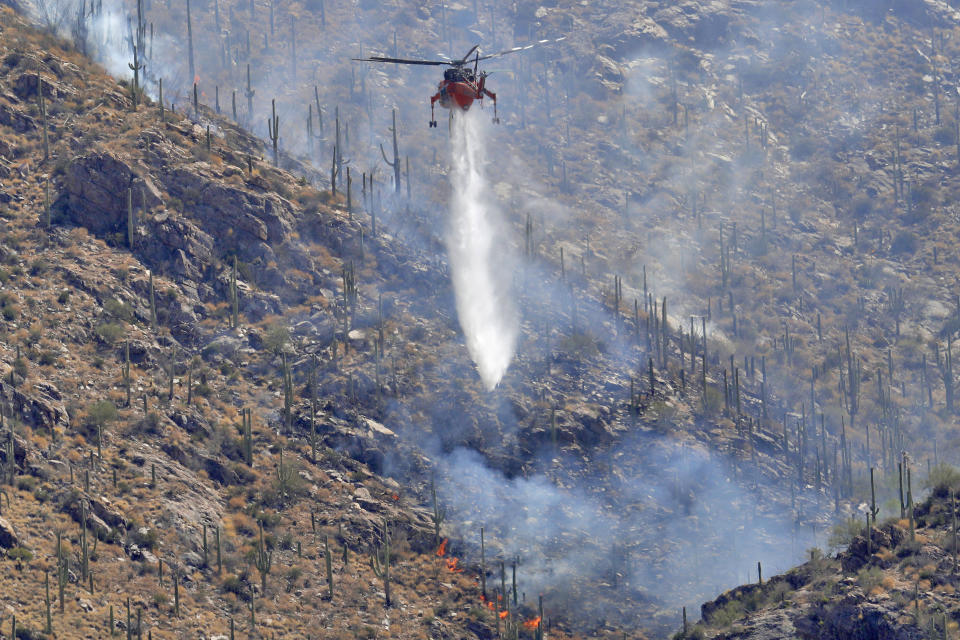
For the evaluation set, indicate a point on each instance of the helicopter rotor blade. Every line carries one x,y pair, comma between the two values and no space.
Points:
432,63
523,48
463,60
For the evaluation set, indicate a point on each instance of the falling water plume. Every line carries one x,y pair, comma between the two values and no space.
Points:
481,281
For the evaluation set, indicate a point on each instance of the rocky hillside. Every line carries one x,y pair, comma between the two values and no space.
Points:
896,580
148,391
729,228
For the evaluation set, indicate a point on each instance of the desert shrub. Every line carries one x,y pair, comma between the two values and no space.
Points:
20,554
117,309
101,413
844,532
905,242
869,577
20,367
145,537
110,332
725,617
861,206
945,135
150,424
943,477
237,586
276,337
578,345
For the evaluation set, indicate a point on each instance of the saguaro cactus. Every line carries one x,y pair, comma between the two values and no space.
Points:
234,298
380,560
396,155
43,115
263,560
131,222
193,71
138,45
293,48
273,127
249,93
328,560
439,513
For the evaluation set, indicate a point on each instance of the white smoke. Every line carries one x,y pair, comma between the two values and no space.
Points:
481,280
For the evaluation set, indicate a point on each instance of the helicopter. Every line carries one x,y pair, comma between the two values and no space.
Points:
461,84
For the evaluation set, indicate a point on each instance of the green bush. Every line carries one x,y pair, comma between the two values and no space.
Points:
118,309
20,554
20,367
844,532
237,586
145,537
110,332
101,413
732,611
276,337
942,478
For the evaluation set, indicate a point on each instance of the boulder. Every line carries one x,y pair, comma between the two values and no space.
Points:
16,120
95,190
42,409
8,537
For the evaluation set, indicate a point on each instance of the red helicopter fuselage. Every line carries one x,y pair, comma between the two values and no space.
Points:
460,93
460,87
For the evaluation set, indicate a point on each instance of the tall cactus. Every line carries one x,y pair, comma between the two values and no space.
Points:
263,560
396,155
328,560
153,304
273,127
193,70
293,48
249,93
946,371
138,48
380,560
196,102
131,221
46,203
247,417
43,115
439,513
316,100
234,297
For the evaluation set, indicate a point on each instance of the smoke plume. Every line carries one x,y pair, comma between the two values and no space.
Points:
480,280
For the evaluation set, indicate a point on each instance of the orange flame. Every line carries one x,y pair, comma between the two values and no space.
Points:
491,606
396,497
532,624
453,565
196,79
442,549
504,614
